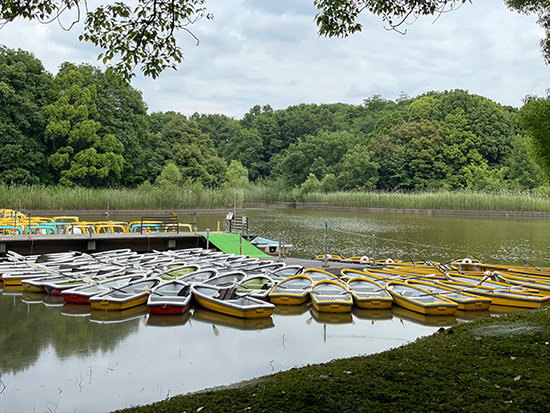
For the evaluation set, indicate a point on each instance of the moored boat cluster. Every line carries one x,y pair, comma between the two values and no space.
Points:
249,288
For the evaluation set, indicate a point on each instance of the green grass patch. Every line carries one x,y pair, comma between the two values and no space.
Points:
495,364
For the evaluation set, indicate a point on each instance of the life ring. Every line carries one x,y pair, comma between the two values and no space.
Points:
364,258
466,261
389,261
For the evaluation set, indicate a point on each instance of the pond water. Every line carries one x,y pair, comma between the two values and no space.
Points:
59,357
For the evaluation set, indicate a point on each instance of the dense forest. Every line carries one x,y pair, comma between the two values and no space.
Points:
82,127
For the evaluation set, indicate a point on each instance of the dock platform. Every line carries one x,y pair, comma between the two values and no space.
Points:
146,242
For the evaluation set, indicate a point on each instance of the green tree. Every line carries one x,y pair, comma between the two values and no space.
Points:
80,155
311,184
246,146
237,175
181,142
330,183
170,176
24,91
409,157
522,171
220,128
314,154
357,170
123,113
534,116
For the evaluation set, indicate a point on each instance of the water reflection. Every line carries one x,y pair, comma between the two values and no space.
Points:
76,310
158,320
373,315
331,318
290,310
210,317
61,357
112,317
425,320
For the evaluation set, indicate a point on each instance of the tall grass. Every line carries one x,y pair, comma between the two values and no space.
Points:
444,200
57,198
150,197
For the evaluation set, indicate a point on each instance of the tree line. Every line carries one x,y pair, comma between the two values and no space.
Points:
83,127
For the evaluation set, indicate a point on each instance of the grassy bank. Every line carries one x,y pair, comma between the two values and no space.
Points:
149,197
58,198
495,364
442,200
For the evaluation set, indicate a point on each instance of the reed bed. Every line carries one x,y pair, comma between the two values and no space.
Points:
473,201
151,197
59,198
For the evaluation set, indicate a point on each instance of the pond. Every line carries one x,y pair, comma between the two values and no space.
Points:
59,357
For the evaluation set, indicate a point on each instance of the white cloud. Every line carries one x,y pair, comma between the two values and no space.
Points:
266,52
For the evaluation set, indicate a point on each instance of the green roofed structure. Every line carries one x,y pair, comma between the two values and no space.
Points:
231,244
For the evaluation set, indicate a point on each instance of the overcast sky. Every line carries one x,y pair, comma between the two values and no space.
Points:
268,52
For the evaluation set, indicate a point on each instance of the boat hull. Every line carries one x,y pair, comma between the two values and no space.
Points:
76,299
331,307
289,300
109,305
168,309
219,307
373,303
427,309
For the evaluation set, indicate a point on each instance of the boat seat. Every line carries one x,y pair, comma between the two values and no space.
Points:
226,293
183,291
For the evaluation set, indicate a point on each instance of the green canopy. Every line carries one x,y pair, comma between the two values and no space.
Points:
230,244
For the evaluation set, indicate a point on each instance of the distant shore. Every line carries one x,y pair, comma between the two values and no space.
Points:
283,205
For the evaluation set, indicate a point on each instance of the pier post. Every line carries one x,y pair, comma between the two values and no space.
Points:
325,241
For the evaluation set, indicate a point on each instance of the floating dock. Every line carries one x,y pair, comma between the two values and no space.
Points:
146,242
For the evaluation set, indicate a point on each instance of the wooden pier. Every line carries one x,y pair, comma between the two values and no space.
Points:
146,242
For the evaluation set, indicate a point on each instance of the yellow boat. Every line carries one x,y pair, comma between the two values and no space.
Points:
331,296
480,268
223,300
420,300
330,257
369,294
291,291
465,301
486,281
317,275
499,296
121,298
541,284
16,278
